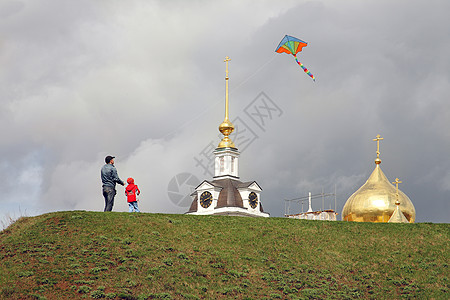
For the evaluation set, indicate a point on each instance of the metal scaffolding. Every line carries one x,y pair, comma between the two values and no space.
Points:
298,203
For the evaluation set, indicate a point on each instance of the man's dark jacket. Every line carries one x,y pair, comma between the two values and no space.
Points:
109,176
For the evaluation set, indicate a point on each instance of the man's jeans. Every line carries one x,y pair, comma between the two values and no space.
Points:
133,206
109,193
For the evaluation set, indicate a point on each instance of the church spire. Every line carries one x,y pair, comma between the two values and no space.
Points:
226,128
397,215
226,194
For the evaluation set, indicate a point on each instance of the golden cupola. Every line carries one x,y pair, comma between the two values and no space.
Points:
375,200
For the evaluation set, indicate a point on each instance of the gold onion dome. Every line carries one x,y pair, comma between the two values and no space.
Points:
375,201
226,128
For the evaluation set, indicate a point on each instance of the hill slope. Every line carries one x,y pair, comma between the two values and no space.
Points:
76,254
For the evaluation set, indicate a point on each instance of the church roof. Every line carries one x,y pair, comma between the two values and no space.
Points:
222,182
229,195
193,206
398,216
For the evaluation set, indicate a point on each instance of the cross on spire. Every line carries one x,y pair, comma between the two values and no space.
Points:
378,139
396,182
227,59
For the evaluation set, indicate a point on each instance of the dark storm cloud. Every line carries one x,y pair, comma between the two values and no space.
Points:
144,82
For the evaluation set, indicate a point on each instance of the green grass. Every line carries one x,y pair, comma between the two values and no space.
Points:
93,255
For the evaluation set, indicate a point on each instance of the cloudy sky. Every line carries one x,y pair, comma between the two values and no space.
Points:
144,81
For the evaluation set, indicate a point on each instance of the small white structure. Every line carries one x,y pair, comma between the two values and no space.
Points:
324,215
321,215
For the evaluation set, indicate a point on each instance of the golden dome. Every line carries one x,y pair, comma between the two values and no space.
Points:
375,200
226,128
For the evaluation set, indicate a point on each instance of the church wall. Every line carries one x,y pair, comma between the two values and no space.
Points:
226,163
215,195
245,194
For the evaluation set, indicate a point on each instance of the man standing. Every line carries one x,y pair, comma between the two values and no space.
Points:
109,180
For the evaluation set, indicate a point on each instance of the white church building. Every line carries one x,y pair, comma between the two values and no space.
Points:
225,194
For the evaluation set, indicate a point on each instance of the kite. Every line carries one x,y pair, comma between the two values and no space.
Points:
292,45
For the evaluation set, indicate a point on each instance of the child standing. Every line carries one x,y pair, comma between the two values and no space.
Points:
131,191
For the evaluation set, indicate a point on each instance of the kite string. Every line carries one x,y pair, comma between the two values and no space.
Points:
201,113
254,73
304,68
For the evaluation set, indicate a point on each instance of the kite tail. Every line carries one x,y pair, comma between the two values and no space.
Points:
305,69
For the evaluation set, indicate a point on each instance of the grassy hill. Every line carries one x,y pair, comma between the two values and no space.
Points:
76,254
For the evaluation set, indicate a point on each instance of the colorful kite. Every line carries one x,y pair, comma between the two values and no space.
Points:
292,45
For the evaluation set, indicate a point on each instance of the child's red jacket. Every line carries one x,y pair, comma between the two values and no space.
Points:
131,191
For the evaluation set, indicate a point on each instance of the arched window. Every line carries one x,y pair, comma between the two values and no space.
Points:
222,164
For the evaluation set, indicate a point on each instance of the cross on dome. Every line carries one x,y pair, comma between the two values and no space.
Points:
378,139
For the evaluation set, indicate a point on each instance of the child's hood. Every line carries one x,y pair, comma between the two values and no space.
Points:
130,187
